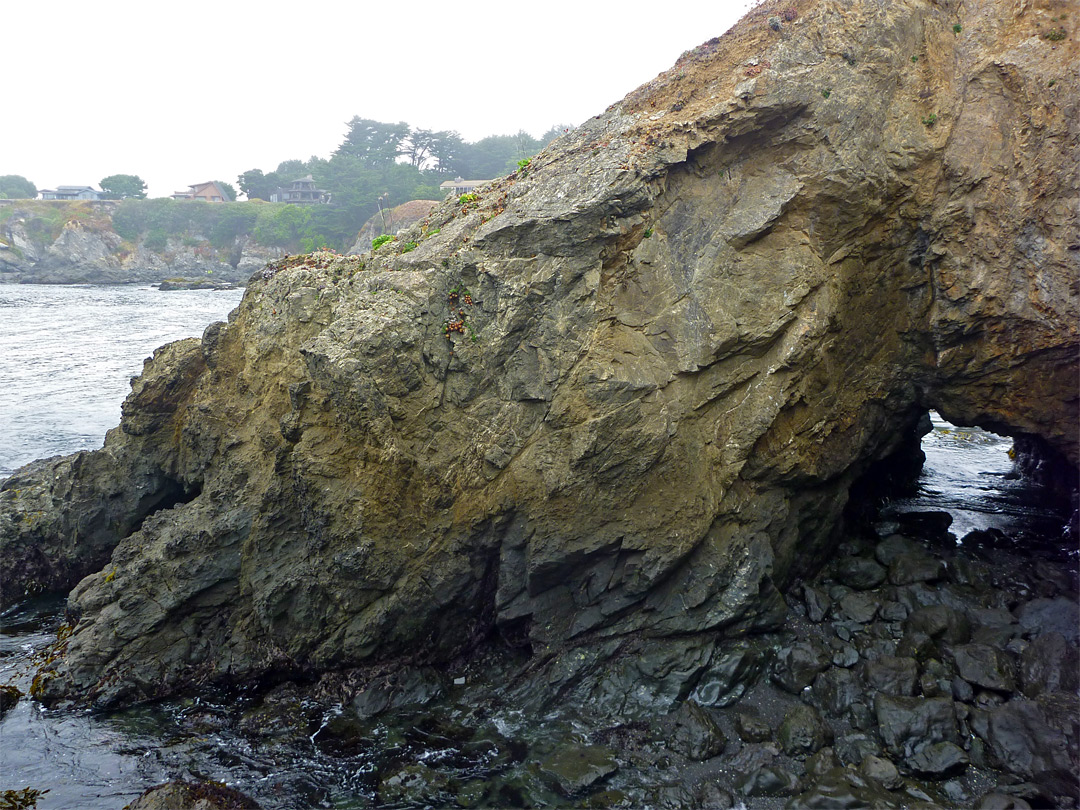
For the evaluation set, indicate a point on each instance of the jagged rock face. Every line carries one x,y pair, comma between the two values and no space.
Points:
697,320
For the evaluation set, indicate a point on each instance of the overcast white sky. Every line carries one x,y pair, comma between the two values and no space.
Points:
183,92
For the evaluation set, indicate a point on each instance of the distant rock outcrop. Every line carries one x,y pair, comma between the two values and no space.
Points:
612,409
398,218
89,251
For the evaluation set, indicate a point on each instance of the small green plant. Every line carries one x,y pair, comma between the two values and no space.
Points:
914,59
523,165
826,93
471,197
648,233
849,57
379,241
1055,35
408,246
956,29
930,120
1051,83
433,231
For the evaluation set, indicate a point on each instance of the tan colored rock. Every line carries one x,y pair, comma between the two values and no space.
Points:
697,320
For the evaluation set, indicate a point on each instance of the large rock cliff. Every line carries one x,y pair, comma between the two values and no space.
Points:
613,408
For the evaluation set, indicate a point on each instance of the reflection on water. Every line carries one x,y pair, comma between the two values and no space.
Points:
969,473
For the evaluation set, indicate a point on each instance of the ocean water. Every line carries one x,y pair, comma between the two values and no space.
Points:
69,352
68,356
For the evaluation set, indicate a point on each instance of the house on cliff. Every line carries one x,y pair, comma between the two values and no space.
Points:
458,186
206,192
301,192
70,193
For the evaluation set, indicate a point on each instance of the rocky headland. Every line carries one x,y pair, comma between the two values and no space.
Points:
614,413
76,243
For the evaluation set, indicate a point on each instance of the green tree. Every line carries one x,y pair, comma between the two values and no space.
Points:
256,185
373,142
16,187
123,187
228,188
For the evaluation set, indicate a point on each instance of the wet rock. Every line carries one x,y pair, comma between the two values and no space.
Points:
916,644
730,673
1060,615
691,731
845,656
754,756
962,690
834,691
281,712
9,696
817,603
803,731
821,763
407,686
751,729
1024,743
891,674
705,795
908,724
985,666
572,769
894,546
767,780
192,796
852,749
932,525
414,784
1001,801
880,770
860,573
844,789
938,759
796,666
940,622
859,607
908,568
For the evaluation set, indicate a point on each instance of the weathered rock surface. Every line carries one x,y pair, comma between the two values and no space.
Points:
612,410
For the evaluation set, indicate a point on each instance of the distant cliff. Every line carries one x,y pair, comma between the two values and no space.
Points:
53,242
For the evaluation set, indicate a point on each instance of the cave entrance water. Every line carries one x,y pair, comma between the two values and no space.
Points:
970,474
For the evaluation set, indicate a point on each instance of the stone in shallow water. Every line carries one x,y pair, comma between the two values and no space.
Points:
192,796
572,769
413,784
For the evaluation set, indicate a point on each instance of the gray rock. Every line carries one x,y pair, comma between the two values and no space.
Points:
1025,744
938,759
767,780
985,666
796,666
192,796
572,769
835,690
692,732
940,622
882,771
752,729
859,607
891,675
860,573
803,732
908,724
908,568
852,749
1059,615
